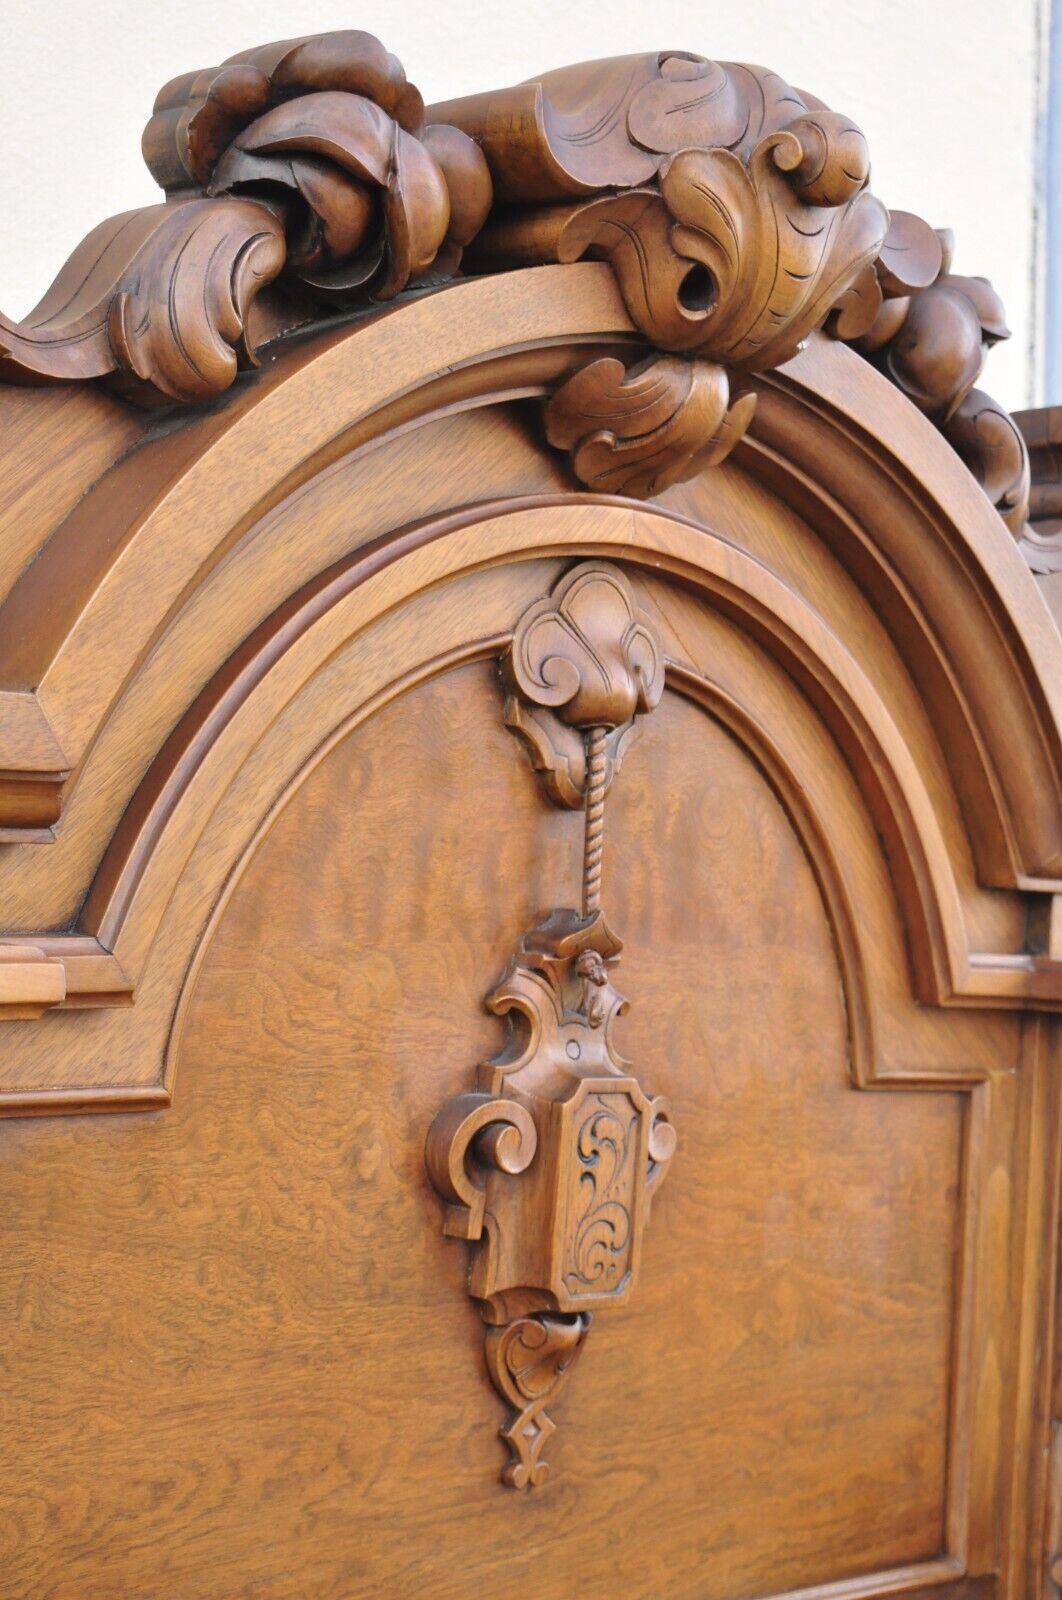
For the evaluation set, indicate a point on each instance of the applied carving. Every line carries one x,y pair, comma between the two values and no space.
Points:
1041,544
309,157
549,1165
304,177
640,430
536,680
931,340
529,1361
742,214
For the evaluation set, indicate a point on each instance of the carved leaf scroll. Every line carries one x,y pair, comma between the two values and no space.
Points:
734,211
742,215
159,296
306,160
931,340
638,431
988,439
549,1165
1041,543
529,1361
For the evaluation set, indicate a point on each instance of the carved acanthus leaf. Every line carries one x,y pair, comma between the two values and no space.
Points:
1041,543
990,442
322,141
742,215
638,431
197,116
159,297
734,211
931,339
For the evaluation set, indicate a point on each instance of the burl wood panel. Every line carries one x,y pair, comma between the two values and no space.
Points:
240,1360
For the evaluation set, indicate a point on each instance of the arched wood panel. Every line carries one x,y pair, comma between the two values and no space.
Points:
801,1276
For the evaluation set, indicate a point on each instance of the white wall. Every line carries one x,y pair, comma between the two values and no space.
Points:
946,91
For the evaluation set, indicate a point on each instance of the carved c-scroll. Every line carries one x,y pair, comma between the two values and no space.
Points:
476,1131
529,1361
549,1165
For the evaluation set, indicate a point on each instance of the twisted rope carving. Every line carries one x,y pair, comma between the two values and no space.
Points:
593,847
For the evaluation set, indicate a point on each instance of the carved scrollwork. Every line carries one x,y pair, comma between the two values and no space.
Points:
931,340
988,439
585,653
309,157
1041,543
530,1361
736,215
159,297
556,1205
734,211
742,215
472,1133
637,431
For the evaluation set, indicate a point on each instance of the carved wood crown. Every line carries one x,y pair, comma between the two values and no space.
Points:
305,176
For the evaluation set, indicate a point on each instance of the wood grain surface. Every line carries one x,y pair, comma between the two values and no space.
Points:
242,1321
267,843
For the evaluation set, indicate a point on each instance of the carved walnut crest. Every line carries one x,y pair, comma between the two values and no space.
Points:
308,159
305,176
548,1166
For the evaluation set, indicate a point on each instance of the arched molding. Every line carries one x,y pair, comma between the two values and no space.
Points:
259,724
911,526
893,503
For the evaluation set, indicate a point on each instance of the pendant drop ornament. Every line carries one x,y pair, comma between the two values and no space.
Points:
549,1165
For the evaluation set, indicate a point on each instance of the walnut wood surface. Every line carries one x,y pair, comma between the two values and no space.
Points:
263,1300
267,841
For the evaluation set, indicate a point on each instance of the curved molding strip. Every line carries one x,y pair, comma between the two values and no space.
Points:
867,468
221,780
305,176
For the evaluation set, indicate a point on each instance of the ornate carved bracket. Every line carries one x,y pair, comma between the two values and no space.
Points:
548,1166
734,211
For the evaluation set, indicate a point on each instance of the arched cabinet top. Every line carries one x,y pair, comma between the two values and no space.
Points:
507,392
